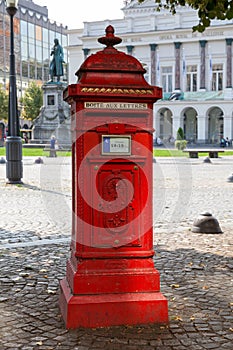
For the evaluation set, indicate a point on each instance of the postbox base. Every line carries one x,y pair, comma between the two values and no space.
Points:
103,310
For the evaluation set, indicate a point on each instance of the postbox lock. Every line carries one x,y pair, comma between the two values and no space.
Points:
135,167
117,241
96,167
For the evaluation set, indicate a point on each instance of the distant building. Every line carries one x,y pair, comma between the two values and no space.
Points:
34,35
194,69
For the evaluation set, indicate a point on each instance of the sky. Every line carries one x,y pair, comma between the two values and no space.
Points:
73,13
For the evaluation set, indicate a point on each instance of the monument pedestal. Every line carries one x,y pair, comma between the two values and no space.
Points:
54,117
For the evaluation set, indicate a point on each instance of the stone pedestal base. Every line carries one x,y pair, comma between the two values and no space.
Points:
107,292
103,310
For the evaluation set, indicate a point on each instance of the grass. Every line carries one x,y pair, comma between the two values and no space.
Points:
39,152
35,152
177,153
168,153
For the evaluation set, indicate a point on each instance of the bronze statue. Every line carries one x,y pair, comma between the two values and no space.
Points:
56,67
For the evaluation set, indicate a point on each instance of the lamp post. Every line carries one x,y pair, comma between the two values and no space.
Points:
14,166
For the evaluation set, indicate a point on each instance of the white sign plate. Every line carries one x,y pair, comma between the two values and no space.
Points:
116,144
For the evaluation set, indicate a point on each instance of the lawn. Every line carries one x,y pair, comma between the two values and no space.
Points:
35,152
168,153
39,152
177,153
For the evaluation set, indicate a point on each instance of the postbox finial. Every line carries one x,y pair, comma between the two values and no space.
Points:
110,39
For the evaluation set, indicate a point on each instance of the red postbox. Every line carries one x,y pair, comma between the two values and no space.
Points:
111,278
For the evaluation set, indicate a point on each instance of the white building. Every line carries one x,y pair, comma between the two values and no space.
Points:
194,69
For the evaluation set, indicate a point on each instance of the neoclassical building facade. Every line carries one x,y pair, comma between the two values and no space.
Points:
194,69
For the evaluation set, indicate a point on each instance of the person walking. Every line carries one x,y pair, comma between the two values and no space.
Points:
53,152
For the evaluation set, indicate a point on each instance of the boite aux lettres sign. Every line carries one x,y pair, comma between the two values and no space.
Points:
114,105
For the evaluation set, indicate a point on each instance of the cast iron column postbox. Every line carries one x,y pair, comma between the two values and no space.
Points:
110,277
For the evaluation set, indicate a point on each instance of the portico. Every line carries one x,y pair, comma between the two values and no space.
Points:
202,123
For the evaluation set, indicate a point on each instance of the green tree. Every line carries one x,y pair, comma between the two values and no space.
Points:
180,134
3,104
32,101
207,9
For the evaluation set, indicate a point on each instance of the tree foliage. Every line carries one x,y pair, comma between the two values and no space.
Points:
207,9
32,101
3,104
180,134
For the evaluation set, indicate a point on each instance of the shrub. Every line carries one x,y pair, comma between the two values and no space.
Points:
180,134
181,144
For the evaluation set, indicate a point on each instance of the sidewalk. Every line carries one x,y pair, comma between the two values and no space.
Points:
195,269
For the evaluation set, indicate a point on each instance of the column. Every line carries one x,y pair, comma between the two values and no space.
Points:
228,92
202,129
156,123
202,71
130,49
153,63
229,63
177,66
228,126
86,52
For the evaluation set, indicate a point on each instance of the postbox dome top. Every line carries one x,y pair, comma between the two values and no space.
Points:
122,67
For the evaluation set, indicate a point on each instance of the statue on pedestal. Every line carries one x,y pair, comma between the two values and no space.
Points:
56,67
54,117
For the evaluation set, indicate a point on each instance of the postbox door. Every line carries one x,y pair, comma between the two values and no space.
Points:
117,207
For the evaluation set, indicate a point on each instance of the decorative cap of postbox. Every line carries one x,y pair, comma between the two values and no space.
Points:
110,66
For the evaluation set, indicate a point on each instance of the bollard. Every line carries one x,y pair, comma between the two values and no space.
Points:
206,223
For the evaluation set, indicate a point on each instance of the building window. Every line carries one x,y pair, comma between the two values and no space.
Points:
31,49
52,36
31,30
32,71
58,36
39,75
191,78
167,79
25,69
23,28
24,48
217,77
38,52
64,40
46,54
46,74
38,33
45,35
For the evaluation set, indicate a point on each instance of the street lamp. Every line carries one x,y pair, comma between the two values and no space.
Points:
14,165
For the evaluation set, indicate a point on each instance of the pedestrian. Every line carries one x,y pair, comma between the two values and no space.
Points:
53,152
222,142
25,138
159,141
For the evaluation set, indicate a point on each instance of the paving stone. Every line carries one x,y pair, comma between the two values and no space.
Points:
212,346
200,315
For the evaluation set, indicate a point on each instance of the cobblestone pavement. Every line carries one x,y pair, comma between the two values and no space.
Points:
196,269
